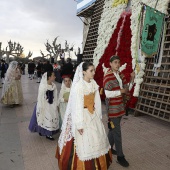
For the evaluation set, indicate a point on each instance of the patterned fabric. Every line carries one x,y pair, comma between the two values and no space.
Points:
69,159
117,105
34,127
14,94
94,141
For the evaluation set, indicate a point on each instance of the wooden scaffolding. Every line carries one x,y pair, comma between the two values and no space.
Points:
91,40
154,96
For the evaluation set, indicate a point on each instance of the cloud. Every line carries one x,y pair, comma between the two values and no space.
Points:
32,22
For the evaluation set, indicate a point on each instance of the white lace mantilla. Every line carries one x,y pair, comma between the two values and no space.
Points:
94,142
67,126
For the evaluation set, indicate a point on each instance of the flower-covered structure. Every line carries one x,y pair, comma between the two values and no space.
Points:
110,16
118,33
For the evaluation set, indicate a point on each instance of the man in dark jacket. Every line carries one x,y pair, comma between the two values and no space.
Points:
67,68
39,69
23,68
31,69
3,70
47,67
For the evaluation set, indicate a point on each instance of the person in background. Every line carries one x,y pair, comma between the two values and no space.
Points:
31,69
42,67
29,72
39,69
45,118
3,70
12,89
48,66
62,56
23,68
0,76
6,67
55,65
64,96
67,68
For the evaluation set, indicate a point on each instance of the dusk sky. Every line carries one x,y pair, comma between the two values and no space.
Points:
32,22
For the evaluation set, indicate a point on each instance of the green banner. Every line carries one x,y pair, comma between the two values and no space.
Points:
152,31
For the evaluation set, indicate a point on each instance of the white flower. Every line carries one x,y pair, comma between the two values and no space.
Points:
141,73
109,18
123,67
104,69
143,65
136,91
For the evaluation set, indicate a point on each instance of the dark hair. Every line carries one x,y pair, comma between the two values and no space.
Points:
69,60
114,57
86,65
49,74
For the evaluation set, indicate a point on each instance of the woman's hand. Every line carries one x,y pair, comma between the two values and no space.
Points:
65,100
80,131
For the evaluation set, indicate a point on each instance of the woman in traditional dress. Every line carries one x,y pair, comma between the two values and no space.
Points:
12,89
45,118
83,143
64,96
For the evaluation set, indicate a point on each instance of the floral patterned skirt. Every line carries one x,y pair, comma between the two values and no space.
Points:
14,94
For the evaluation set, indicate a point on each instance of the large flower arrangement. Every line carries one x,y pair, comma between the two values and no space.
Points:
109,40
106,56
119,43
138,61
107,26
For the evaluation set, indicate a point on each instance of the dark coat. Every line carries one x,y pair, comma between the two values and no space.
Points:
47,67
67,69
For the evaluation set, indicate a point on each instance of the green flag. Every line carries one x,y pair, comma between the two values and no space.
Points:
152,31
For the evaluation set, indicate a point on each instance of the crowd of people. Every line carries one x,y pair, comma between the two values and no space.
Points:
76,113
59,68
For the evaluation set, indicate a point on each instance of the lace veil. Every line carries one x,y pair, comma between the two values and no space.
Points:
42,111
68,126
63,88
9,76
41,94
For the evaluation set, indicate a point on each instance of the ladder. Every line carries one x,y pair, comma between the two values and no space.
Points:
91,41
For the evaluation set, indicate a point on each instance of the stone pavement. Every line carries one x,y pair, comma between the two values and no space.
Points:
146,140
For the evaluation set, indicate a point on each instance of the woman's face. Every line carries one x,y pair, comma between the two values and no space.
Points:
67,82
52,77
89,73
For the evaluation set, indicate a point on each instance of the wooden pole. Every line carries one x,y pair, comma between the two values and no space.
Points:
156,3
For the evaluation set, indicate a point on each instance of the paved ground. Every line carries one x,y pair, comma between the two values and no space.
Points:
146,140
